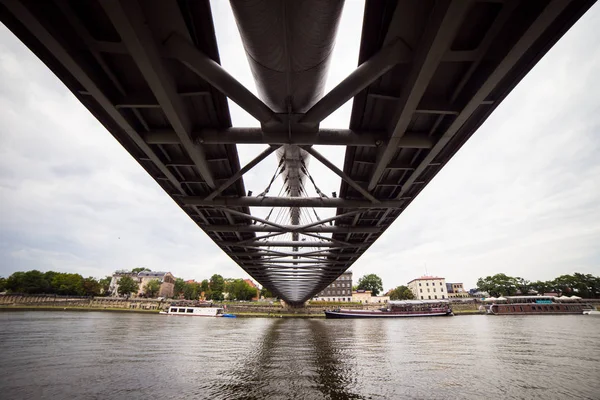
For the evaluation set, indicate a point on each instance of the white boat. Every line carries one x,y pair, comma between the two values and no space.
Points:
594,313
192,311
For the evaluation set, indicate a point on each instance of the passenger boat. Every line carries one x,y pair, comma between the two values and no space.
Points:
536,305
196,310
398,309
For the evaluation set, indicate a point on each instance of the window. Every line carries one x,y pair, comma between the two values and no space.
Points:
419,283
189,310
442,289
521,308
435,297
427,284
440,283
434,289
421,290
173,310
421,297
181,310
442,296
428,290
429,297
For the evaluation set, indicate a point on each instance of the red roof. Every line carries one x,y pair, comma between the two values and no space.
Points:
249,282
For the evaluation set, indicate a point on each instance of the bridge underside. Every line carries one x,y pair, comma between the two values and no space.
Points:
430,73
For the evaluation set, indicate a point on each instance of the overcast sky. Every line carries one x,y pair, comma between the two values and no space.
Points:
521,197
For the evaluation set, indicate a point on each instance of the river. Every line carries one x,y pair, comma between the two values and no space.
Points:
104,355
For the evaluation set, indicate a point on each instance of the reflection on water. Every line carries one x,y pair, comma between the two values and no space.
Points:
107,355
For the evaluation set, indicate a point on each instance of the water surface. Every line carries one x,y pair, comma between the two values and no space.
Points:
102,355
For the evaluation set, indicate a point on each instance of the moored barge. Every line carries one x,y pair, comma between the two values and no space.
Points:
537,305
398,309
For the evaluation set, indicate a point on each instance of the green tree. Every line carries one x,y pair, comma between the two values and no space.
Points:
371,282
152,288
178,288
204,286
498,285
2,284
266,293
139,269
239,289
91,287
191,291
542,286
401,293
127,286
105,285
68,284
32,282
216,286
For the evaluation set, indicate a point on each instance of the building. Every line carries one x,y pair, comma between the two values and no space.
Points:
428,288
339,290
167,282
456,290
364,297
361,296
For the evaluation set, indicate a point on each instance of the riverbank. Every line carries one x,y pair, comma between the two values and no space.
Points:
281,313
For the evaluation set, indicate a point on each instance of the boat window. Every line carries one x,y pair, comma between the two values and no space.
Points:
173,310
521,307
190,310
182,310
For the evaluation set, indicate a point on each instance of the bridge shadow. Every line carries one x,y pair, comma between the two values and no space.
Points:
295,359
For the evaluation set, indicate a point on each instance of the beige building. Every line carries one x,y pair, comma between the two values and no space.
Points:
456,290
361,296
428,288
339,290
167,282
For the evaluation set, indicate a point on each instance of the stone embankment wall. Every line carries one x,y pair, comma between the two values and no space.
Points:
74,301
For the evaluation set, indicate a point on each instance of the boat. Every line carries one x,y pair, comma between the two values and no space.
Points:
196,310
536,305
594,313
398,309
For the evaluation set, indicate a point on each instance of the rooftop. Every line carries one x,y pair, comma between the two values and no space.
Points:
426,278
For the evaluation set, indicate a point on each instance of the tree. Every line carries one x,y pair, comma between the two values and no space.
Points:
105,285
28,282
401,293
239,289
127,286
68,284
217,287
91,287
139,269
266,293
152,288
178,287
2,284
498,285
191,291
371,282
